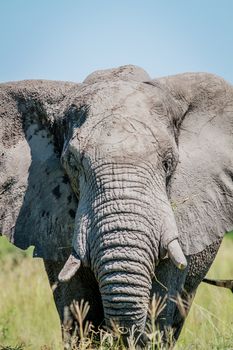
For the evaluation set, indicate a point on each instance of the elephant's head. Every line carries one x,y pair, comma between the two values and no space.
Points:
140,157
119,156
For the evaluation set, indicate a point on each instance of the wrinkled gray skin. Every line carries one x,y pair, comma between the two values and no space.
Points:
114,170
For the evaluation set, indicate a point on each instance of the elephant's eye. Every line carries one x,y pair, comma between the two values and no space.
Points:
167,166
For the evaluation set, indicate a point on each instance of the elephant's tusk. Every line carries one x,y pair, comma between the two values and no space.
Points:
176,254
70,268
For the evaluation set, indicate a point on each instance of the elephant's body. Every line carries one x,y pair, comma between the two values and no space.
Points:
132,169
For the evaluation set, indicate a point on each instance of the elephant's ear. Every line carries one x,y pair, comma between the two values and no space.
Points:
37,205
202,185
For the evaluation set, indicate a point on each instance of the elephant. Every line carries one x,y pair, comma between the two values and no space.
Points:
124,186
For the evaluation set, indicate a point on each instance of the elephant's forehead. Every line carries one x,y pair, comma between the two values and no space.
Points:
120,117
115,95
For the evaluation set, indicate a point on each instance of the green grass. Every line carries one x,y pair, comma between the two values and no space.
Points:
29,321
27,311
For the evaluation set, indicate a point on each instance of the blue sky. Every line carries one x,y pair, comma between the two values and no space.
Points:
68,39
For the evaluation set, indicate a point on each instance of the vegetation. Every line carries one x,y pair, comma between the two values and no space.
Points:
29,321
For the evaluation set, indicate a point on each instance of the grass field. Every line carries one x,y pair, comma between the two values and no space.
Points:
29,321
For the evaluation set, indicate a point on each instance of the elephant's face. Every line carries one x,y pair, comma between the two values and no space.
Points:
119,157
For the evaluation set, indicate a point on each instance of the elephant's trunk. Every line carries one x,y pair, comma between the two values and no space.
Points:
123,244
123,249
125,288
123,261
123,217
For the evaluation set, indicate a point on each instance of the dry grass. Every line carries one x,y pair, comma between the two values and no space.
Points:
29,321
